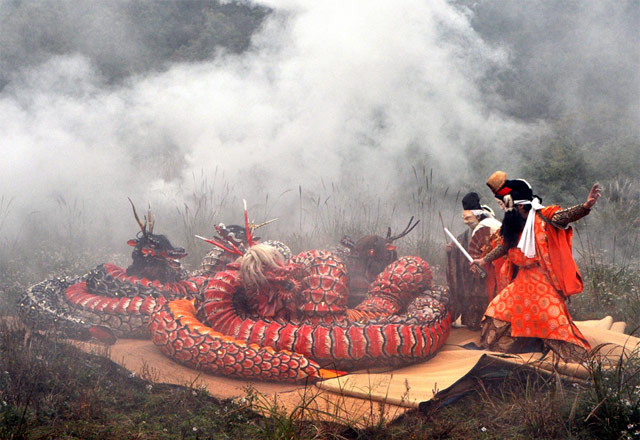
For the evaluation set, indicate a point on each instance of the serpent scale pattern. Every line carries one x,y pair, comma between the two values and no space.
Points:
105,298
397,324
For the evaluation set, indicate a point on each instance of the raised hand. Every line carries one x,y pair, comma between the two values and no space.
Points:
594,195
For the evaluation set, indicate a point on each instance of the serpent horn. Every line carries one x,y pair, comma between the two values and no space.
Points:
135,214
152,221
232,249
247,225
254,226
406,230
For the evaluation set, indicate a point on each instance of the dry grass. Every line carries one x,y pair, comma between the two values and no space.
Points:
49,389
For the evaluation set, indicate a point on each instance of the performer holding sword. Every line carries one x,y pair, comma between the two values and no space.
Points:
474,266
471,286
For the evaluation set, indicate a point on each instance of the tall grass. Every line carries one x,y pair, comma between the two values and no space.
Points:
324,214
5,210
200,212
613,400
607,244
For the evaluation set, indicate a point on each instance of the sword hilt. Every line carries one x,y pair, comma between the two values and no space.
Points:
480,271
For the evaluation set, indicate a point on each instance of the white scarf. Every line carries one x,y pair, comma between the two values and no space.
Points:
527,243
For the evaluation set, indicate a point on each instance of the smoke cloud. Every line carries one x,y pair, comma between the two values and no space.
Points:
349,93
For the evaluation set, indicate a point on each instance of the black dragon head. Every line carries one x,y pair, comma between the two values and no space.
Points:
154,257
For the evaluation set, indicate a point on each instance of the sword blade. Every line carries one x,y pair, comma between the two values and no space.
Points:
481,271
458,245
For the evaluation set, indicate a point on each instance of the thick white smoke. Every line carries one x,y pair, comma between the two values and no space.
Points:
329,91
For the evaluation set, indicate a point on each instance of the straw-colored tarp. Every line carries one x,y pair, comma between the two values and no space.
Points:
367,395
414,384
143,358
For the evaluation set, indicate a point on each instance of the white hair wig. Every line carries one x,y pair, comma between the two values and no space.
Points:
255,261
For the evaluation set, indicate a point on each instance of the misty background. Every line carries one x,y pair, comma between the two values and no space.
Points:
323,114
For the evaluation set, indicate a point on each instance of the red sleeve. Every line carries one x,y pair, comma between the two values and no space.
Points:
560,253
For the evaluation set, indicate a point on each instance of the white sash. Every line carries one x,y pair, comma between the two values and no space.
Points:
527,243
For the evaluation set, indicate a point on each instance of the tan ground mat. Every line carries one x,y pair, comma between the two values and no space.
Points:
442,377
370,396
308,401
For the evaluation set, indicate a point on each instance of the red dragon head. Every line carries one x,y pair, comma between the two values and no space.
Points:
368,257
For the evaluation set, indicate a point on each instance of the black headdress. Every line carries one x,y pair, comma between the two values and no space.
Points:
471,201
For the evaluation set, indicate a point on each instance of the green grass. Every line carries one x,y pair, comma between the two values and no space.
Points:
609,288
49,389
613,400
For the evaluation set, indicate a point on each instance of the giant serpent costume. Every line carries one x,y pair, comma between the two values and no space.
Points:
262,317
109,301
296,312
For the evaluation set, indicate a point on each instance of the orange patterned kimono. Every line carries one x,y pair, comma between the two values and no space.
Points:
534,301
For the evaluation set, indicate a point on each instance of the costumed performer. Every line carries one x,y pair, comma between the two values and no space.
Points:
469,292
530,313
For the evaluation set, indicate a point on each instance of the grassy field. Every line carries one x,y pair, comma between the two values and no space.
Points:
49,389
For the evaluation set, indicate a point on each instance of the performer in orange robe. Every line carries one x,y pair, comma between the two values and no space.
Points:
530,313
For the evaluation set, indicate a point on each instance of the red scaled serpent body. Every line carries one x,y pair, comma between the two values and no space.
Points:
260,318
110,301
297,316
